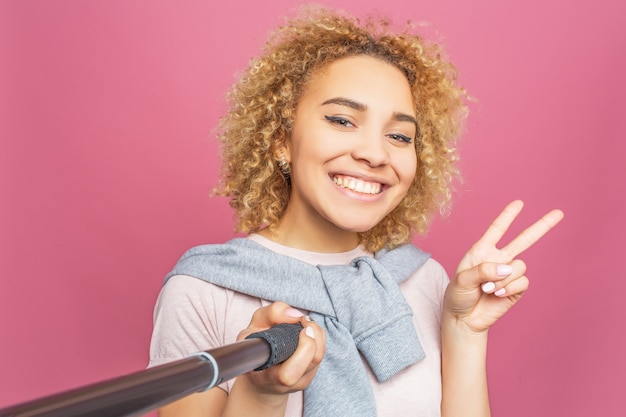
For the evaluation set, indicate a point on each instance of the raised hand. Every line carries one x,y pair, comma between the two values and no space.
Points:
489,280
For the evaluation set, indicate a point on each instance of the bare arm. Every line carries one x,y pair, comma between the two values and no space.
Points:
488,282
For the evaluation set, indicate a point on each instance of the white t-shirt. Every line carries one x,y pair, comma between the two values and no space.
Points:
193,315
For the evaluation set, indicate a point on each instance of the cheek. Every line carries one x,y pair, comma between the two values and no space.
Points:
407,168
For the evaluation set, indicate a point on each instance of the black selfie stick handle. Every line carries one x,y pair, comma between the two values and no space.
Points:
138,393
283,341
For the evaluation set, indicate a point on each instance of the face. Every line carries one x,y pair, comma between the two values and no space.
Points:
352,148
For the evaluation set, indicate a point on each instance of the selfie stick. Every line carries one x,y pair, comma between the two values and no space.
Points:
143,391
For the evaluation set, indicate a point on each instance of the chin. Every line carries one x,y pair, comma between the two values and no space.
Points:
360,227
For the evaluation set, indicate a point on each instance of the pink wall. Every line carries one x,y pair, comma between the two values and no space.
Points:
106,156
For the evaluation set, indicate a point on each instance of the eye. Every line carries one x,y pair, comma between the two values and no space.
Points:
338,120
400,138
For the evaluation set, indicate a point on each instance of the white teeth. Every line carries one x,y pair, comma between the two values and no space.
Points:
358,185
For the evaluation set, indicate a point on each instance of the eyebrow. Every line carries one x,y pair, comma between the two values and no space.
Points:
342,101
346,102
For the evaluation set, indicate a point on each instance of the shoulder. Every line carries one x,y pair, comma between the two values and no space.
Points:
183,292
191,315
429,281
433,269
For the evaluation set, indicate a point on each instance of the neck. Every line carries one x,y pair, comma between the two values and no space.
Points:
317,236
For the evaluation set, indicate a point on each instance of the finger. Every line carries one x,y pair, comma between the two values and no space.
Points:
271,315
313,330
506,273
276,313
501,224
486,272
532,234
515,287
303,359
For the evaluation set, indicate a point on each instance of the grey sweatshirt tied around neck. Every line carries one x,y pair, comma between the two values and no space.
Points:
359,306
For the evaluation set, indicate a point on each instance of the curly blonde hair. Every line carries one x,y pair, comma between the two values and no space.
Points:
262,107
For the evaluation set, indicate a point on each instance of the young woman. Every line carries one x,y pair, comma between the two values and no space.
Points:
339,144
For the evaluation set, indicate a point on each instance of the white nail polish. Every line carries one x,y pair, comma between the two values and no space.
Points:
500,292
292,312
310,332
504,270
488,286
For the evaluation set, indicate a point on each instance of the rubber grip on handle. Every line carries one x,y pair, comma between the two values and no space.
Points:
283,341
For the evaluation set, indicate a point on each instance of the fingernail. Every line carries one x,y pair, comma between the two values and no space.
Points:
310,332
488,286
504,270
500,292
292,312
308,318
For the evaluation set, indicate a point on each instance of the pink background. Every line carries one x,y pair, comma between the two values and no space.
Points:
107,155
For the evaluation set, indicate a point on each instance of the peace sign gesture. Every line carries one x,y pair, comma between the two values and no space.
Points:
488,280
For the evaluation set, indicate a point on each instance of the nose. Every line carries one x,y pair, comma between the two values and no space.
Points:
371,149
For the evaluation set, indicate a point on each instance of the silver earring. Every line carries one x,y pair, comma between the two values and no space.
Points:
284,166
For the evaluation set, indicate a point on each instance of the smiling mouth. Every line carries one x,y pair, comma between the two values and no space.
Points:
357,185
